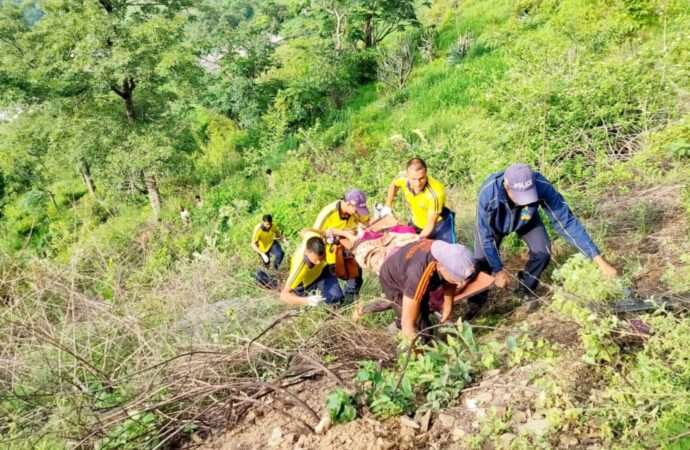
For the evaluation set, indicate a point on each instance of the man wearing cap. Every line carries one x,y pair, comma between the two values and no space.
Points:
343,214
264,241
508,202
416,269
426,198
310,282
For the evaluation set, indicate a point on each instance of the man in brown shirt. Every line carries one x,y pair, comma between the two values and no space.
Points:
410,274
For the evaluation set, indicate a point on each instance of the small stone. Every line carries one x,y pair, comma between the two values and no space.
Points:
323,425
471,404
519,417
406,422
491,373
484,397
424,421
568,441
506,439
499,411
535,427
276,436
446,420
291,438
458,433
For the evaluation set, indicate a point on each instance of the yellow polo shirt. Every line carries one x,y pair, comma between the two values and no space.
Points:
329,217
300,272
432,198
264,239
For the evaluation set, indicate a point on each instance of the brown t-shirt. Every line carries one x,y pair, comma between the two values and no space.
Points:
410,272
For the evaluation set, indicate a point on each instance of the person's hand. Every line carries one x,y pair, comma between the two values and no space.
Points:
315,300
501,279
606,268
264,257
385,211
357,314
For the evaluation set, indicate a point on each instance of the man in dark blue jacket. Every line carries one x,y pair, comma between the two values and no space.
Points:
509,202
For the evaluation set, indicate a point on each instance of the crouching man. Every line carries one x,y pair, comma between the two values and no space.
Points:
418,268
310,281
508,202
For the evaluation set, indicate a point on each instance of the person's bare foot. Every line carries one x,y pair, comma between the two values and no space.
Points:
357,314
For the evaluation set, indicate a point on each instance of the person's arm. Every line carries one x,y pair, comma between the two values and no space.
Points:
430,224
568,226
347,234
487,240
371,308
410,313
287,296
255,239
392,190
448,296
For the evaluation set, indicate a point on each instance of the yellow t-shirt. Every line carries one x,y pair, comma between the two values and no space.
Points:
300,272
329,217
432,198
264,239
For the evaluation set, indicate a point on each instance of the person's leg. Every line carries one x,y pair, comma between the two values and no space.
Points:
328,284
353,286
278,254
537,241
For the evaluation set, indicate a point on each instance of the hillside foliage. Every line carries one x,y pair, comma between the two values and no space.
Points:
128,110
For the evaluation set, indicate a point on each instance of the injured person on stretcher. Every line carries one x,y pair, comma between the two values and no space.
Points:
418,276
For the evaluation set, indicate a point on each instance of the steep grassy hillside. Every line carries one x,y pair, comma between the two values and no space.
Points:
122,332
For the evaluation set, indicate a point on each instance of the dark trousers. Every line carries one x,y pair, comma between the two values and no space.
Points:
534,235
278,254
352,286
327,284
445,229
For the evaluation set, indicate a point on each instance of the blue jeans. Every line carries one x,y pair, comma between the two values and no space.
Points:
277,252
328,284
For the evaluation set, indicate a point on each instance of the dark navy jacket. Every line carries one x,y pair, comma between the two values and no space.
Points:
497,217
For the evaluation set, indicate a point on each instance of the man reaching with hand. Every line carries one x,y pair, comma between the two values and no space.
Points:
508,202
426,198
310,282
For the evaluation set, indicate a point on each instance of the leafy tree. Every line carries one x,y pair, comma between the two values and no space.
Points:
366,21
125,61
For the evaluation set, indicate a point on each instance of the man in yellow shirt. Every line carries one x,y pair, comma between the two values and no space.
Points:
426,198
310,282
343,214
265,241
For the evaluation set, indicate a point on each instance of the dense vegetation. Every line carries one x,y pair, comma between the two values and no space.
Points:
126,110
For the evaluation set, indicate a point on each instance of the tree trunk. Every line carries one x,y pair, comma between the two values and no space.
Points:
125,92
52,198
369,33
88,181
154,195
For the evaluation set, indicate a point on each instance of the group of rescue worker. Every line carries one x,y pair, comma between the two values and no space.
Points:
431,262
